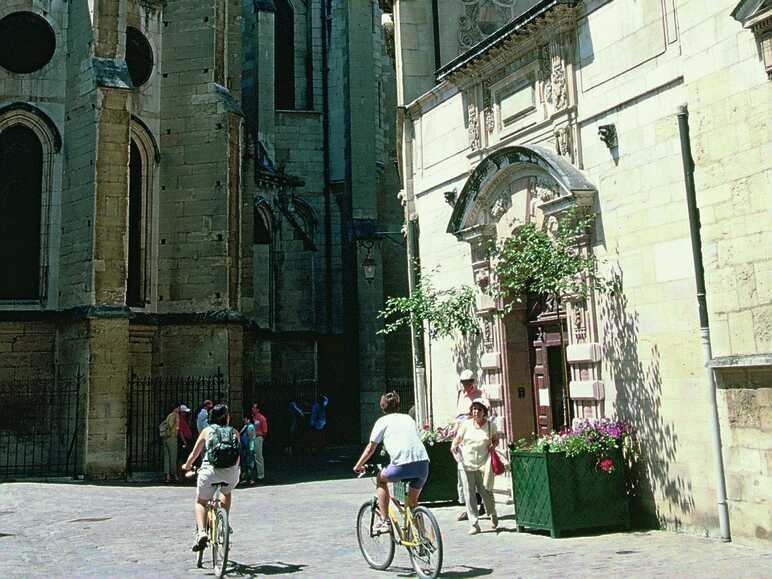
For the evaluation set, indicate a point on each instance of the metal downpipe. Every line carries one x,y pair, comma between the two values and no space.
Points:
699,274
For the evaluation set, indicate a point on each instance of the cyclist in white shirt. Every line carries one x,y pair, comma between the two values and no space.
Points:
409,460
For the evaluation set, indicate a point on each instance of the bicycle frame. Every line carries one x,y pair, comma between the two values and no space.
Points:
407,535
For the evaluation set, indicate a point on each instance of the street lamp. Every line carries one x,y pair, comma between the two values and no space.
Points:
368,263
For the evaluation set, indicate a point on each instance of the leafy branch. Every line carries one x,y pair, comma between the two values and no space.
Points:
444,312
545,262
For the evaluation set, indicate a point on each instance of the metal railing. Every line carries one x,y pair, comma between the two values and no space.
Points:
150,399
41,429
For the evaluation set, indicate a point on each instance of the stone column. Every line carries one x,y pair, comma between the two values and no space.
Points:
108,343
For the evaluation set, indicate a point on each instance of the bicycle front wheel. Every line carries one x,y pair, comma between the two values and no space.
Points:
220,542
377,548
427,556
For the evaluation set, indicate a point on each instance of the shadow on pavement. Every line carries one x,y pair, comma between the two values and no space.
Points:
274,568
453,572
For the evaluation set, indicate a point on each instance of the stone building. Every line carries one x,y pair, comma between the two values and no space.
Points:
516,111
189,186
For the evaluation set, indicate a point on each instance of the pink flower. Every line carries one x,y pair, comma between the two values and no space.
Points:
606,465
426,427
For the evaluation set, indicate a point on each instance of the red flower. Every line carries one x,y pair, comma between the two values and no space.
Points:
427,427
606,465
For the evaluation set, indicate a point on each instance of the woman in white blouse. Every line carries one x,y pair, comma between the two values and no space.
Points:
472,447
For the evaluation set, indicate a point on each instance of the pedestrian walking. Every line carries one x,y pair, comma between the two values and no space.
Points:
472,446
318,422
247,451
169,431
261,431
202,418
467,393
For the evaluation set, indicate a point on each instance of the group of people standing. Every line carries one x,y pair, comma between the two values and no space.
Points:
177,437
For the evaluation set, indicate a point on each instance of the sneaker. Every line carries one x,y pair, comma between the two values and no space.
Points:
381,527
494,521
474,529
201,540
462,516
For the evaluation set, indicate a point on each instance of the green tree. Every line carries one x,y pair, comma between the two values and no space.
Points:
445,312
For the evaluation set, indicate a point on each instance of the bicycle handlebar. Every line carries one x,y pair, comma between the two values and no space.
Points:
370,470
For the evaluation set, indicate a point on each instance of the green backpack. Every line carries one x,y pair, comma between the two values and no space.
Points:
222,447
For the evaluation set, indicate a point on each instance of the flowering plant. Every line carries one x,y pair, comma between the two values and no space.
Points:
596,437
431,436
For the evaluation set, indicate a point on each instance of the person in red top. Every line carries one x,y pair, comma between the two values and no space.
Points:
184,431
261,431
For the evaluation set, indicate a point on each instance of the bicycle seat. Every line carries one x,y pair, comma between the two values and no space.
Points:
220,484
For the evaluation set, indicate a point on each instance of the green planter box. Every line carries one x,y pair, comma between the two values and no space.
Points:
441,486
557,493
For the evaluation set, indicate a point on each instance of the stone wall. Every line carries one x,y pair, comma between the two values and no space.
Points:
27,350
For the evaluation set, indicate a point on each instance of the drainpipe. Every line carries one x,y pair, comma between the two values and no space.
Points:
699,274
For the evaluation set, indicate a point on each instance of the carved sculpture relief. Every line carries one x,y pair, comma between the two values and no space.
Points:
500,207
580,330
564,143
473,127
552,72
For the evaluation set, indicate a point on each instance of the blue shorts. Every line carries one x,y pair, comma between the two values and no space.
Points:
414,473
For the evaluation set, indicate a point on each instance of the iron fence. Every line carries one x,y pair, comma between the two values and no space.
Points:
41,430
150,401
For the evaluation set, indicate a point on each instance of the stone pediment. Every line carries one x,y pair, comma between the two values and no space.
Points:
573,188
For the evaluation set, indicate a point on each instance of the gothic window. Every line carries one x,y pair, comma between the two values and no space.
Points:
21,193
142,161
262,232
284,59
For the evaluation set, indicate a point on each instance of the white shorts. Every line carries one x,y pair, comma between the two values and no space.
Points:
207,475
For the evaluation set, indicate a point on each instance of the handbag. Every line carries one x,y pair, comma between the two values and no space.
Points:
496,465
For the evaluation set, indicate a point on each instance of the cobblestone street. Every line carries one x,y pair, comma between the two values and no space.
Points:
307,530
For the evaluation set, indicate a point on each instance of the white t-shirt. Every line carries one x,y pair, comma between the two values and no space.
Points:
399,435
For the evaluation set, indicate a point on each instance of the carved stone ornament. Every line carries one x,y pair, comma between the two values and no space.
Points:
552,73
564,143
482,277
580,331
487,334
499,207
541,190
474,127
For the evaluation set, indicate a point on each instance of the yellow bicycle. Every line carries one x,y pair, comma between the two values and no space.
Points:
218,529
415,528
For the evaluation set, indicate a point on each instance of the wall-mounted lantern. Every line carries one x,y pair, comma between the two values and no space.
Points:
368,263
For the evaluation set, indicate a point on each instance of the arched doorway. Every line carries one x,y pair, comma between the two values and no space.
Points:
532,382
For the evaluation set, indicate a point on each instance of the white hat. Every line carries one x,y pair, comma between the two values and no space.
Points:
184,408
482,402
466,376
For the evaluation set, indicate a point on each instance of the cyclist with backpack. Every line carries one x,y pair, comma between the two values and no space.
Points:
220,464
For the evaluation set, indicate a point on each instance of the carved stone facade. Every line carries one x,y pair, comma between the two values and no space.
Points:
576,109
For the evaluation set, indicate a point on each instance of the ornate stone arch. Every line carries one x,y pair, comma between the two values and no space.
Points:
510,187
559,184
46,131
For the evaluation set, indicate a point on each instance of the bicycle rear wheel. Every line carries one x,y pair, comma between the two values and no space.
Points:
427,556
220,542
377,549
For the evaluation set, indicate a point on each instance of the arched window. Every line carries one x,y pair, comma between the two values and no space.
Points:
284,55
21,194
139,267
262,263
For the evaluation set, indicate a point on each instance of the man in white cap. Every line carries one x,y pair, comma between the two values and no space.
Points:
465,396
